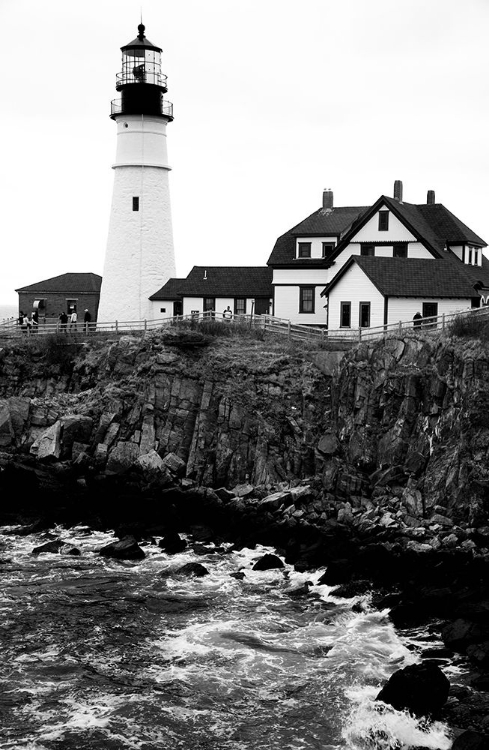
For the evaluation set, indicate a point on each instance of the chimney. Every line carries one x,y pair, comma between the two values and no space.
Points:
398,191
327,198
430,197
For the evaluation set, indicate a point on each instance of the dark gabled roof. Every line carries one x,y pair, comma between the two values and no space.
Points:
67,282
325,222
445,224
220,281
432,224
413,277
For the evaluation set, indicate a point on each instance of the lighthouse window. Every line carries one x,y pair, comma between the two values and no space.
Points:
135,203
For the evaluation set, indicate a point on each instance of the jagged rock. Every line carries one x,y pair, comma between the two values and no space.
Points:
48,445
420,688
7,434
124,549
172,543
470,740
275,500
53,547
151,462
243,490
75,427
174,464
268,562
239,575
122,457
193,569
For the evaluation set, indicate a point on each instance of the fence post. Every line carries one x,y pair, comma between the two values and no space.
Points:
117,326
400,328
359,334
145,326
288,330
443,320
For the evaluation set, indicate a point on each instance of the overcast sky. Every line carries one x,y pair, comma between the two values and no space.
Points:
274,100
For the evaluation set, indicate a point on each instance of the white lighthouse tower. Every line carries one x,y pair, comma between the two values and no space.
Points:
140,256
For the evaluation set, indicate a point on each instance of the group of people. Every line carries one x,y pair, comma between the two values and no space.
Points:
29,324
72,319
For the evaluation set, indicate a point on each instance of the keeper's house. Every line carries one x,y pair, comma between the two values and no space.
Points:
363,266
68,292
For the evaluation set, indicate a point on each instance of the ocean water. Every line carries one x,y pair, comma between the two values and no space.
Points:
8,311
107,655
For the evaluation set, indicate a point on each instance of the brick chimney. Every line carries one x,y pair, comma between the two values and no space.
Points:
430,196
327,198
398,191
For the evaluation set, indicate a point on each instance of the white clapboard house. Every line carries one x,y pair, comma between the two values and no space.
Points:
364,266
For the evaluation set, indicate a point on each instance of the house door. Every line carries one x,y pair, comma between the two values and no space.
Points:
210,306
262,306
178,307
430,310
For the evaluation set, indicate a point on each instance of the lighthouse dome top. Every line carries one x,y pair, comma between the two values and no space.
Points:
141,42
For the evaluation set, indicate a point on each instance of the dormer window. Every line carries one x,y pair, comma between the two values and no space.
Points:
383,221
328,248
304,250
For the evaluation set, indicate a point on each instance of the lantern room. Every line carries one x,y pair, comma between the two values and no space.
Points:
141,82
141,63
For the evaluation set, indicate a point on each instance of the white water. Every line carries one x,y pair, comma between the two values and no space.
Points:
102,654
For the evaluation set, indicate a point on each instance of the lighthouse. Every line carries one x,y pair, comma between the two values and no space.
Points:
139,257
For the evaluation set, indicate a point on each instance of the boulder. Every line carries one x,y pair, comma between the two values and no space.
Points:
150,462
54,547
274,501
172,543
479,653
122,457
124,549
470,740
48,444
328,444
193,569
462,633
174,464
268,562
422,689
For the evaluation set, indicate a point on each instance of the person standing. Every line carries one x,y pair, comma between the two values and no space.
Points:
73,320
86,320
227,314
35,322
63,320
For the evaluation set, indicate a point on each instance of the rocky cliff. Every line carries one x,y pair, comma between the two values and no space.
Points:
401,424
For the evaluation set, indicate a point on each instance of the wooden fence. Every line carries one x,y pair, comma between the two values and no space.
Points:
268,323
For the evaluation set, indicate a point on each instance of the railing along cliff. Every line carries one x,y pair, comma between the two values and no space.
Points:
11,329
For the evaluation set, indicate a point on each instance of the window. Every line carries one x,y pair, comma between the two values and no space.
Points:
469,261
383,221
364,317
399,250
345,314
304,250
240,306
209,304
328,248
430,310
367,249
71,305
135,203
306,299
